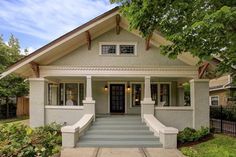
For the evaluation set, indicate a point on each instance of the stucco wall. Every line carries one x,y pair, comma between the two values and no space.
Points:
84,57
178,117
100,96
59,115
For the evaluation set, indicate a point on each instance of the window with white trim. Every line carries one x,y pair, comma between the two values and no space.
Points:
127,49
214,100
69,94
160,93
122,48
108,49
136,90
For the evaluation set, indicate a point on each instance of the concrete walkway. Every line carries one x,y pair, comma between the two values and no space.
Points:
120,152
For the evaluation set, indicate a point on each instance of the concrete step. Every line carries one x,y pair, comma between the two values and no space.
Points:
119,119
119,144
119,122
119,137
119,127
119,132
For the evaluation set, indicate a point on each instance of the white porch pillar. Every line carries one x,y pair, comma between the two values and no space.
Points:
147,105
89,103
180,96
37,101
199,93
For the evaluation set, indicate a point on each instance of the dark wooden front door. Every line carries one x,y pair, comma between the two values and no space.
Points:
117,98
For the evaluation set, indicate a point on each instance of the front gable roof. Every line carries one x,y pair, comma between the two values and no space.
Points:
77,37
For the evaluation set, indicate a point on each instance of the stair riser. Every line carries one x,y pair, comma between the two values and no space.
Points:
118,123
118,133
120,139
120,127
121,145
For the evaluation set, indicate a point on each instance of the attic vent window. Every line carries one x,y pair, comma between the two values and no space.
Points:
108,49
118,49
127,49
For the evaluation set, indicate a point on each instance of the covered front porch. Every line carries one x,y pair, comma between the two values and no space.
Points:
65,99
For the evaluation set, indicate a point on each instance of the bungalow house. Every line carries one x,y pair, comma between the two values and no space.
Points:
222,91
109,86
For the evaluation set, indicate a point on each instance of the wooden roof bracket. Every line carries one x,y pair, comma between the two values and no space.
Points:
202,69
35,68
88,38
118,24
148,42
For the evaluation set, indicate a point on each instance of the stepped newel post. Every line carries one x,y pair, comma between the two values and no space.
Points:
89,103
147,105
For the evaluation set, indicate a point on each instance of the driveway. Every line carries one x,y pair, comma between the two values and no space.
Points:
120,152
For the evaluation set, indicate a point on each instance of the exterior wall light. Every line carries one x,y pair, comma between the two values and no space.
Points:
106,87
128,87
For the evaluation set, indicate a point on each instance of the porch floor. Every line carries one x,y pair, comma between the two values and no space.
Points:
119,131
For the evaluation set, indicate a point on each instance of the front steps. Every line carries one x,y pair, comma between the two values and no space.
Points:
119,131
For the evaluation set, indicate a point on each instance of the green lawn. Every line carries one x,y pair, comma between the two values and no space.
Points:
12,120
219,146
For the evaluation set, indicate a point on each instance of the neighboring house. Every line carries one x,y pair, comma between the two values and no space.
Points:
102,68
222,91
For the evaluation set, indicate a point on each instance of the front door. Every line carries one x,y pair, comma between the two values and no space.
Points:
117,98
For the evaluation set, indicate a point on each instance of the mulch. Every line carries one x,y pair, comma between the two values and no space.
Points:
189,144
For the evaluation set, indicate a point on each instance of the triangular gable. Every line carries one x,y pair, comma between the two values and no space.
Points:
78,37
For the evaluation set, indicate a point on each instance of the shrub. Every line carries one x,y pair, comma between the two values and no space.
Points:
20,140
191,135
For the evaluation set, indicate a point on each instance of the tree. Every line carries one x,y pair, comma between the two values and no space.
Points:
205,28
12,85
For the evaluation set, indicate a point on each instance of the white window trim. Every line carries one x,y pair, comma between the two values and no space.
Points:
217,98
118,48
159,89
131,91
64,93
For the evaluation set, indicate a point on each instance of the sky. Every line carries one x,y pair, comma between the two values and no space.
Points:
37,22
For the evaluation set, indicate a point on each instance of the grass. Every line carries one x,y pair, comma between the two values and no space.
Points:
219,146
12,120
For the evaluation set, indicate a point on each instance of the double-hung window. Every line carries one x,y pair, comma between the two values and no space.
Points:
136,94
160,93
214,100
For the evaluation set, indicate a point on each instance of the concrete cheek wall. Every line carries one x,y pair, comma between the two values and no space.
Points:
178,118
61,116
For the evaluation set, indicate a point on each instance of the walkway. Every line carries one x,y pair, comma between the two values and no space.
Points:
120,152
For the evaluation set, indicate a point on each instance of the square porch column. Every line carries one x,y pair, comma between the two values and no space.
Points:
37,101
199,93
147,105
89,103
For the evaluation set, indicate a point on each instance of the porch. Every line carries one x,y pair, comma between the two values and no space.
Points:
66,99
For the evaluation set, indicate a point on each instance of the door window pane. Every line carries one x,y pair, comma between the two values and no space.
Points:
164,94
136,94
